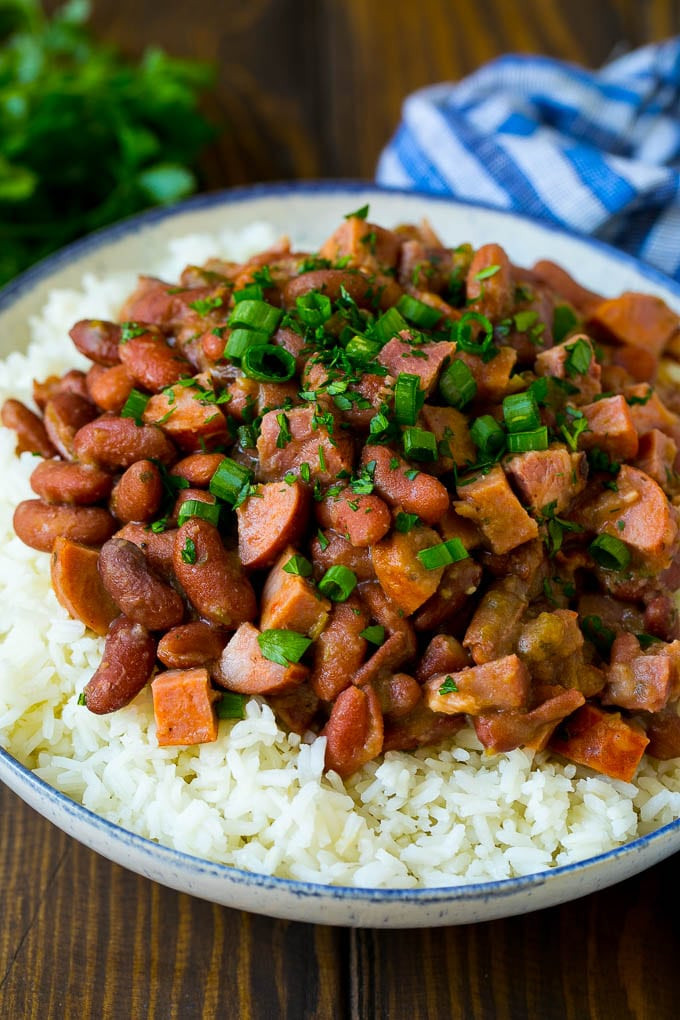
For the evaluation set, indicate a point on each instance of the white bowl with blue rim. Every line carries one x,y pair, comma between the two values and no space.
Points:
313,210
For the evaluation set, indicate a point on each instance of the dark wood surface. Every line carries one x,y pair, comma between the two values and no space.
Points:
312,88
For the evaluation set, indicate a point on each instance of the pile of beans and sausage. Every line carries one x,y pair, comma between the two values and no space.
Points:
391,487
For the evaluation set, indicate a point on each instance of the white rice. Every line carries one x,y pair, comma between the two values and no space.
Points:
258,798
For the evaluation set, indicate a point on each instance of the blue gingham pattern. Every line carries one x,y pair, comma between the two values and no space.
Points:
596,152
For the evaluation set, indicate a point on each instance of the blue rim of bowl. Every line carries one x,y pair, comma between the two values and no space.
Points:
187,863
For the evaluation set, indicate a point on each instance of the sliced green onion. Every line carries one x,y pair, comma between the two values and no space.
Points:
457,384
419,444
408,398
375,634
338,583
462,334
256,315
298,565
487,435
283,646
251,292
314,308
247,436
229,480
135,405
361,348
388,325
598,633
522,442
436,556
610,552
521,412
405,522
240,339
418,312
268,363
565,322
198,508
231,706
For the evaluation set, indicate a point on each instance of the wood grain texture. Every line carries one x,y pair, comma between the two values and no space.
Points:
313,88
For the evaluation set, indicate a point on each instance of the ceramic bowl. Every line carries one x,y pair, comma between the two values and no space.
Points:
312,210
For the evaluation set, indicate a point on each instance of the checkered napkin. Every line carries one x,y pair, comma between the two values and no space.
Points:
596,152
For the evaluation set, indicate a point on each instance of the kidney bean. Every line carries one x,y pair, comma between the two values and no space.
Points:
114,443
354,731
157,546
39,524
211,575
135,589
78,586
73,381
59,481
29,428
139,492
152,362
126,667
98,340
191,644
65,414
198,468
109,388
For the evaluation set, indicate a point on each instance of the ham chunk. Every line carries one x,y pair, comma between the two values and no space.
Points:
602,741
271,518
560,282
401,574
489,501
503,731
183,704
290,602
549,476
453,436
640,320
501,684
491,295
656,456
327,448
610,428
243,668
648,411
639,683
554,362
426,360
492,378
639,514
364,244
420,494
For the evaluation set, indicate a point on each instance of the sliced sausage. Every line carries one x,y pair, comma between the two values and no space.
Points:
273,516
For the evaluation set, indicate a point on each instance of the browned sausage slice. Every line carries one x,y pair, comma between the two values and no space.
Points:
78,586
273,517
243,667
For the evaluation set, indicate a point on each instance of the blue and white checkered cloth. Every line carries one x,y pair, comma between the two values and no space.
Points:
596,152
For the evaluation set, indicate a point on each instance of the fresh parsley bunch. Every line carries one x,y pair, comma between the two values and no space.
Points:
86,137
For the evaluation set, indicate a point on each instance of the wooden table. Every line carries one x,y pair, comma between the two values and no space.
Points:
313,88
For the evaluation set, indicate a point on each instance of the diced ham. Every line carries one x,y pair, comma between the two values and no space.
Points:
488,500
403,354
560,282
648,411
501,684
452,433
243,668
553,362
365,244
354,731
339,650
640,320
420,494
602,741
183,705
634,681
327,448
271,518
290,602
492,378
610,428
401,574
656,456
503,731
544,477
362,519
